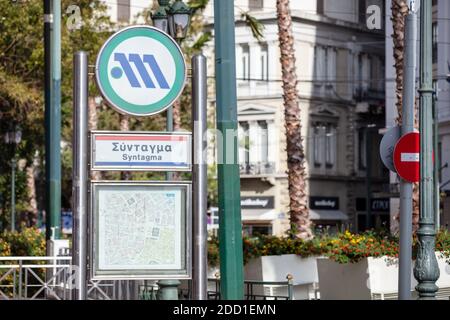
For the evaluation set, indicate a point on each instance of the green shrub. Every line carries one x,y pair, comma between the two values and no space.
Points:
344,247
27,242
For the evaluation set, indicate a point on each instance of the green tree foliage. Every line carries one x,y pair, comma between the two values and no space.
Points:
22,84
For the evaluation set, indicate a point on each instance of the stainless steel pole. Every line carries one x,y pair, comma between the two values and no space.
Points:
80,172
199,178
406,188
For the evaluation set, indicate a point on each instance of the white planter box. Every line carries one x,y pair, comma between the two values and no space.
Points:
371,278
276,268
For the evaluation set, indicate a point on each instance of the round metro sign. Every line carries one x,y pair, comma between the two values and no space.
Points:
140,71
407,157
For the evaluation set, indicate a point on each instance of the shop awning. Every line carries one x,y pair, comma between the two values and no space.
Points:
327,215
259,215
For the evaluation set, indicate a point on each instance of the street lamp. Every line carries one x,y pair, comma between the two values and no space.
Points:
13,138
160,17
179,18
173,19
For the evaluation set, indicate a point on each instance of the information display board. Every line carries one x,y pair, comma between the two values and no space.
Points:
141,230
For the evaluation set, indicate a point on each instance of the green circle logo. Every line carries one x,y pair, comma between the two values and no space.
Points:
140,71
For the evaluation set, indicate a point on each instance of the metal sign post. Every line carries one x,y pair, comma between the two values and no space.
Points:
199,178
80,173
406,187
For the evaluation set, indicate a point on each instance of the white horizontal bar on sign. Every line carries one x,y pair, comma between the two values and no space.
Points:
410,157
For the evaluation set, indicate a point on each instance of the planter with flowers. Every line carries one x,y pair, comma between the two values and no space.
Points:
347,266
363,267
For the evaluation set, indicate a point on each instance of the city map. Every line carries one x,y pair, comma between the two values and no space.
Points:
139,227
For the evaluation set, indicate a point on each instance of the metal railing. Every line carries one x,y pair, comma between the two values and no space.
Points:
259,290
52,278
34,278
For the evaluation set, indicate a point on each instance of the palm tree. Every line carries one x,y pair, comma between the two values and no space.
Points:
399,12
298,211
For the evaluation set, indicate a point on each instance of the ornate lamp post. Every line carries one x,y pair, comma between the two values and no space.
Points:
173,20
426,269
13,138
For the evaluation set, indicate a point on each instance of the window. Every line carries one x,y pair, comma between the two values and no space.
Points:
319,64
320,7
317,141
245,62
264,141
324,145
435,41
244,144
255,4
324,65
264,63
362,161
330,146
254,148
123,10
362,7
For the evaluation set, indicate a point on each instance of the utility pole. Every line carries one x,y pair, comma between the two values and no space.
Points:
52,52
406,188
426,269
230,228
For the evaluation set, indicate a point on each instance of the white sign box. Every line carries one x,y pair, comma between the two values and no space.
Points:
138,151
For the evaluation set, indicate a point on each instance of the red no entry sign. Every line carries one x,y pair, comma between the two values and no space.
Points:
407,157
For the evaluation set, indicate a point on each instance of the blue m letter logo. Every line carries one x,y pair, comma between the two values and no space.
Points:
140,66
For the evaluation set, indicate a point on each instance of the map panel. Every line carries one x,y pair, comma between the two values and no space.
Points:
140,227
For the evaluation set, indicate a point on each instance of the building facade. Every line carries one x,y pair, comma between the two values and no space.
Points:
340,68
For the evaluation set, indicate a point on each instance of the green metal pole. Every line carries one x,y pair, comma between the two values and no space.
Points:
53,124
230,228
426,269
13,194
437,165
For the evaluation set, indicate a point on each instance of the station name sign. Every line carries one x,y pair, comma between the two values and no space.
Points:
156,151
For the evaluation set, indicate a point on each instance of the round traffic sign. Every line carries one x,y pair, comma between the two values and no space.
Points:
387,147
407,157
140,71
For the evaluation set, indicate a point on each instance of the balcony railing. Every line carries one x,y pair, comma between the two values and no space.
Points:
258,168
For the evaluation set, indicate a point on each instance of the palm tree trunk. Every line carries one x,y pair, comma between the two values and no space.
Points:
299,213
399,11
